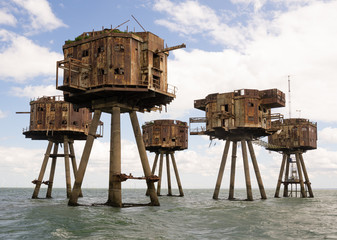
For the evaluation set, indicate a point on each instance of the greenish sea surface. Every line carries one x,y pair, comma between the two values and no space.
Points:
195,216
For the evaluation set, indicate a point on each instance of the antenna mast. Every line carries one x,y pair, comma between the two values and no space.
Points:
289,99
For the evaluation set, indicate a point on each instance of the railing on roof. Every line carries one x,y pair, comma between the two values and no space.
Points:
199,130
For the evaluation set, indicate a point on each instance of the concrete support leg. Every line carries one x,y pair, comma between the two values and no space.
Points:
42,171
160,173
115,185
232,178
73,160
279,181
143,158
256,169
221,170
286,177
153,168
246,168
84,159
52,171
67,166
168,171
181,193
299,170
307,181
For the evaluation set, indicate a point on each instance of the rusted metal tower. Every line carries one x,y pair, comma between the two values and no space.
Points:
239,116
294,137
53,119
166,137
116,72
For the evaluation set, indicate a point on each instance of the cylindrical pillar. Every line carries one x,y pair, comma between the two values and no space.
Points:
232,178
52,171
246,169
279,181
181,193
169,189
160,173
42,171
307,181
143,157
115,185
153,168
67,166
299,170
73,160
155,163
286,178
256,169
84,159
221,170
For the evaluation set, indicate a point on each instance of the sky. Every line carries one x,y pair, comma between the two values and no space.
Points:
231,45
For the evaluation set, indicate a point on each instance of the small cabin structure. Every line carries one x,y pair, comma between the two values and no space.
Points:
293,134
165,134
53,118
244,111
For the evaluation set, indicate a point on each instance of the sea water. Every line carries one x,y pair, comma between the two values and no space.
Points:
194,216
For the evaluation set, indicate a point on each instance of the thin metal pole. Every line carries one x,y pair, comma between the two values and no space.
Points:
73,160
160,173
169,189
286,177
256,169
307,181
84,160
279,181
143,158
115,185
42,171
246,168
67,166
52,171
299,169
221,171
181,193
232,179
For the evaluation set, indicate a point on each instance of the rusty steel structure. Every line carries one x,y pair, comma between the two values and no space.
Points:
58,122
128,67
116,72
166,137
294,137
239,116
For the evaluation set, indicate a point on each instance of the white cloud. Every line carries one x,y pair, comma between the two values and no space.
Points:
41,16
6,18
190,17
35,91
22,59
294,43
258,4
328,135
2,114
